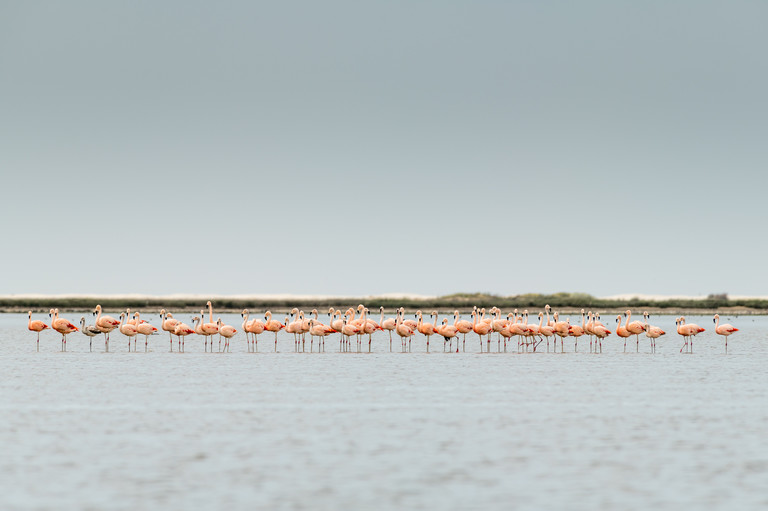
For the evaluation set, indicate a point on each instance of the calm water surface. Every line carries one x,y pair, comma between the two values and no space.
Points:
384,430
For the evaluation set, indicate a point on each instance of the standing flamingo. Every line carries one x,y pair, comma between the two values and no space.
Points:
545,330
402,329
226,331
317,329
144,329
622,331
576,331
449,332
63,326
36,326
562,330
425,329
105,324
127,329
634,328
182,330
689,331
652,332
168,323
207,329
463,327
600,331
90,331
482,328
272,325
387,324
725,330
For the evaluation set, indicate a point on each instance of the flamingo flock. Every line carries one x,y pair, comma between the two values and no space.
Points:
356,323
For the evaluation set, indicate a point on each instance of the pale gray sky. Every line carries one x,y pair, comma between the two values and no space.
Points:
356,148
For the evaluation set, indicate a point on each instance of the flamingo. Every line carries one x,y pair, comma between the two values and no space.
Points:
145,329
368,327
36,326
182,330
652,332
317,329
562,330
622,332
463,327
63,326
530,331
724,330
600,332
634,327
226,331
127,329
387,324
402,329
253,327
348,330
449,332
89,330
207,329
517,328
105,324
272,325
295,327
576,331
545,330
168,323
689,332
497,325
410,323
482,328
426,329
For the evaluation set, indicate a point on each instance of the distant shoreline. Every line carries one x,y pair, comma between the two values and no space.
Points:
566,303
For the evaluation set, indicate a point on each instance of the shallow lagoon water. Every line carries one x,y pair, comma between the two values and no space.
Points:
384,430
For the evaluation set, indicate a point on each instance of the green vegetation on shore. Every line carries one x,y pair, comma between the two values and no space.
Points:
461,301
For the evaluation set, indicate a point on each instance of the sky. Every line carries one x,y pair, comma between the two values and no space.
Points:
357,148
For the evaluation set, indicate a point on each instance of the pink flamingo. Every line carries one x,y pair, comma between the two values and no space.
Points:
367,327
295,327
168,323
622,332
387,324
600,331
254,327
402,329
482,328
127,329
545,330
226,331
449,332
518,329
317,329
634,327
425,329
463,327
725,330
63,326
182,330
562,330
576,331
105,324
144,329
272,325
207,329
689,332
652,332
36,326
348,330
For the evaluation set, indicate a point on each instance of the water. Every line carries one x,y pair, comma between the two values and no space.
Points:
384,430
